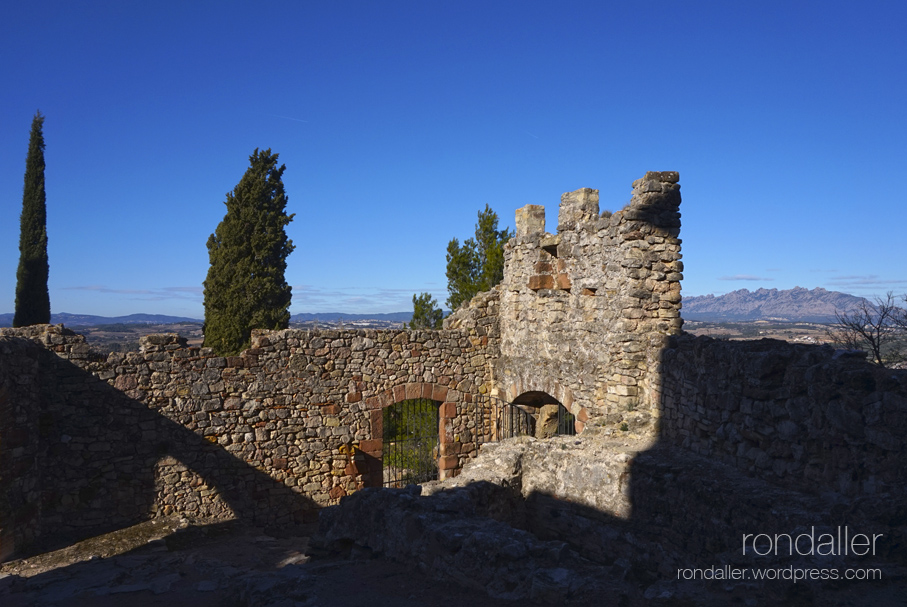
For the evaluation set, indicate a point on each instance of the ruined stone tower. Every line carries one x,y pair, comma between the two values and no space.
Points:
584,313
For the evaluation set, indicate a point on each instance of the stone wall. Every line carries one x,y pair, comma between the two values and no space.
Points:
292,424
801,416
584,313
19,413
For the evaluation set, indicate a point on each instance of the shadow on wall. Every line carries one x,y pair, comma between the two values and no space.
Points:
97,460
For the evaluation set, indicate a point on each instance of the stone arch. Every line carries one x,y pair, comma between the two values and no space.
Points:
536,392
452,403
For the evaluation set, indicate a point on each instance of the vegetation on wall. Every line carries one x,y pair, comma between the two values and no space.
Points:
246,288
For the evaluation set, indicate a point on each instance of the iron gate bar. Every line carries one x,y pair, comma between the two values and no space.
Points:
410,450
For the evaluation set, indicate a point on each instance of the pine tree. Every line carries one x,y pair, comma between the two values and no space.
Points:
426,314
245,288
478,264
32,297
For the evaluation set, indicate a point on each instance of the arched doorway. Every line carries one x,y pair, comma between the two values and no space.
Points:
410,449
536,414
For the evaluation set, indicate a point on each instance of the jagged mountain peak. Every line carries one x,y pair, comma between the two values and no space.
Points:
796,304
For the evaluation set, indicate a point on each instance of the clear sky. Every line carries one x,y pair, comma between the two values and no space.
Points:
398,121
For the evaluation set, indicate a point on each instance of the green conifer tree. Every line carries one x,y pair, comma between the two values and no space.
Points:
426,314
32,297
478,264
245,288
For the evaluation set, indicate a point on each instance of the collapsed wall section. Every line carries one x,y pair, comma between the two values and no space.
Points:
585,312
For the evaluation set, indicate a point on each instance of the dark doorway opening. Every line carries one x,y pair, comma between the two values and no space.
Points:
411,446
524,415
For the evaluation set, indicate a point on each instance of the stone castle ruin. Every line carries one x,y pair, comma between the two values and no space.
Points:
681,444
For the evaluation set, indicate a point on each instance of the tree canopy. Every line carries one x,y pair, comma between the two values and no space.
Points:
245,288
32,297
426,314
478,264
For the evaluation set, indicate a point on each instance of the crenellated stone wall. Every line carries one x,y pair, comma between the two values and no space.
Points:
585,312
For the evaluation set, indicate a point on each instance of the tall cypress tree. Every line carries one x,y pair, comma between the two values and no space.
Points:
32,298
245,288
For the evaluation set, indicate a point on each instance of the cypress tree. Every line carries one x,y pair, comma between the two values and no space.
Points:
245,288
32,297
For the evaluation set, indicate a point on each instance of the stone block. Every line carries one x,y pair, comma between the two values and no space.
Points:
449,462
439,393
541,281
372,445
530,220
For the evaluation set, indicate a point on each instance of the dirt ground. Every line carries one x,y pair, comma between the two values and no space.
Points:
167,563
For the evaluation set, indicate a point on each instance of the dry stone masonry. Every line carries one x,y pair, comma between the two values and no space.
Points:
291,425
682,442
585,313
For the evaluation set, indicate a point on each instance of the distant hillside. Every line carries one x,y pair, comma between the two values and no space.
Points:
88,320
797,304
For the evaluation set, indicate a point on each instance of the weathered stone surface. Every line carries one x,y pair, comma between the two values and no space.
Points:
546,425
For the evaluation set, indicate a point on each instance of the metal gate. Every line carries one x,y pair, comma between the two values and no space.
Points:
410,453
519,420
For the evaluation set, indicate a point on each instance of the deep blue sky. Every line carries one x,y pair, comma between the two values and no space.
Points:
398,121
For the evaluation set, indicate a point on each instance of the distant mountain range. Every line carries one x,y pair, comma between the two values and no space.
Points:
797,304
89,320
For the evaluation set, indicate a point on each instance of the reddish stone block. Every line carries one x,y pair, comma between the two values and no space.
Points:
439,393
579,426
330,409
563,282
582,416
279,463
542,267
125,382
377,431
426,390
399,393
374,445
449,462
541,281
354,397
451,448
413,391
337,492
448,410
561,265
355,468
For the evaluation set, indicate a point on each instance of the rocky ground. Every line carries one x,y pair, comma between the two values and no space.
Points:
170,563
